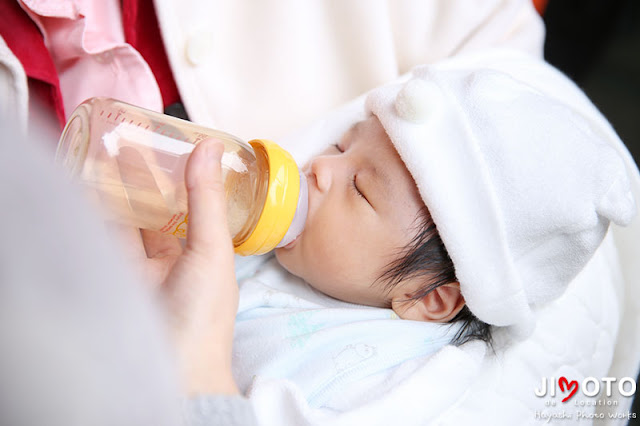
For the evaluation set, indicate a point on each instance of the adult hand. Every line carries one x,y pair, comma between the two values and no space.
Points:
197,284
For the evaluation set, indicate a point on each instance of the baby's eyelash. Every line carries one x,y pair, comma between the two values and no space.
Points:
355,187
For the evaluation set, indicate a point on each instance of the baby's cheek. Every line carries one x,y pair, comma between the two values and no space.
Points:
323,255
302,258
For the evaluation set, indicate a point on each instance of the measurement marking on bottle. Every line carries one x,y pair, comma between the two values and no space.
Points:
139,123
101,112
109,116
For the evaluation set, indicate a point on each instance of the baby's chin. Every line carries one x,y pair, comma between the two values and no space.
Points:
284,258
291,261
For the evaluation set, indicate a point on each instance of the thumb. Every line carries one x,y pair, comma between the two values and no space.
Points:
208,233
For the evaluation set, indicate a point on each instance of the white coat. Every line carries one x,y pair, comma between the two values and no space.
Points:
264,69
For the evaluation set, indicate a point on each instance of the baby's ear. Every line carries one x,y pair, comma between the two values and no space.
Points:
440,305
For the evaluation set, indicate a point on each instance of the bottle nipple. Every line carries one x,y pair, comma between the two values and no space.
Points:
300,217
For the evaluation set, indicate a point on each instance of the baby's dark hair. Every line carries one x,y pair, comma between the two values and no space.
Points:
427,256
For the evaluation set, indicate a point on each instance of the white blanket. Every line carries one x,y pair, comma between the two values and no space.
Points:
593,330
335,352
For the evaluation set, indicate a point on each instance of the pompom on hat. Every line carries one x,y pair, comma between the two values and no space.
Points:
517,169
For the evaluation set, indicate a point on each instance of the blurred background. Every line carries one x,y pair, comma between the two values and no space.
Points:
597,44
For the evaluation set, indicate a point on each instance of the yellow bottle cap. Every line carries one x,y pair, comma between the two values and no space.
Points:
281,201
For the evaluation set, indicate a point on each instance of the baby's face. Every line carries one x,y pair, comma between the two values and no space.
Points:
363,205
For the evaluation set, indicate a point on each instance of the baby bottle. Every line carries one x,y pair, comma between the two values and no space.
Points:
132,161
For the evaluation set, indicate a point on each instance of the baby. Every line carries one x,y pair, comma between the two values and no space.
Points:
369,237
466,198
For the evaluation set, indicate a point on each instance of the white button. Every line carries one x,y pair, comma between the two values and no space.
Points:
104,57
199,47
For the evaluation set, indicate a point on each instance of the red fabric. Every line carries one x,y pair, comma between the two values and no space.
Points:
541,6
26,42
141,31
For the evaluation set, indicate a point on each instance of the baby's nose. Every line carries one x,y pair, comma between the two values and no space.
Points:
321,172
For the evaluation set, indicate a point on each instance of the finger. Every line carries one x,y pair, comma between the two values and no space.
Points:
208,232
157,269
151,272
159,245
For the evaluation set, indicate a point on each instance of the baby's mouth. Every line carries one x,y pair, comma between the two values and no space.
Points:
292,243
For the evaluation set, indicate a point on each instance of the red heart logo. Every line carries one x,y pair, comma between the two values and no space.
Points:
569,384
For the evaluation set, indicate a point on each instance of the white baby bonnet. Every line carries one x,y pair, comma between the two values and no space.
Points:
520,184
